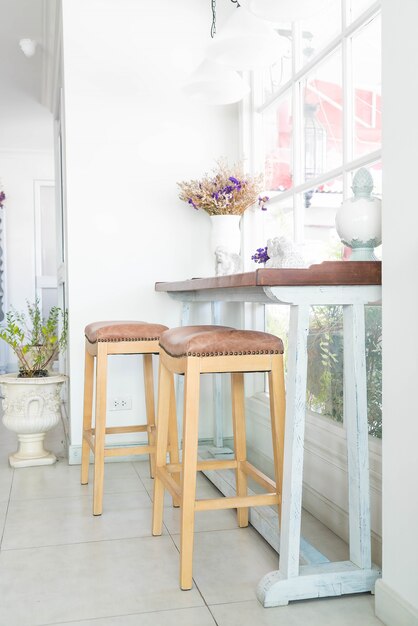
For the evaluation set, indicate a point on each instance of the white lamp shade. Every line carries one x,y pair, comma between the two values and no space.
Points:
284,10
245,42
213,84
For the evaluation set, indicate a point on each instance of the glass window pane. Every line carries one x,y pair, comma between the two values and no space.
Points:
357,7
48,231
367,85
319,30
280,72
321,241
323,120
277,221
278,137
325,364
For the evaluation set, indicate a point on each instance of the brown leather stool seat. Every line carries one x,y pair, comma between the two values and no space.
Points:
218,341
195,350
101,340
123,331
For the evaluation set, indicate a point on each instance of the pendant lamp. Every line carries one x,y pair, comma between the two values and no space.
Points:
245,42
284,10
214,84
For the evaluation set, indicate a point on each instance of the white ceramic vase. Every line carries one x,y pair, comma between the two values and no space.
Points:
359,219
226,243
31,407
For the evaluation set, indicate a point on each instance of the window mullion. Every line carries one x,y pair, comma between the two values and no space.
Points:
348,116
298,139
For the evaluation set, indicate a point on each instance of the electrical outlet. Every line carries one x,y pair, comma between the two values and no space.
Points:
121,403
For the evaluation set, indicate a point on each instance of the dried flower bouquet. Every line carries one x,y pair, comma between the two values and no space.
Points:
228,191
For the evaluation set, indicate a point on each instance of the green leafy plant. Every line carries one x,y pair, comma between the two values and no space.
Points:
325,369
35,340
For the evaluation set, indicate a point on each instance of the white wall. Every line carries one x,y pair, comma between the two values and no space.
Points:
397,594
130,135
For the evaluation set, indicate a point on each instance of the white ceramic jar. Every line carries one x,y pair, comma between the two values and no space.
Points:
359,219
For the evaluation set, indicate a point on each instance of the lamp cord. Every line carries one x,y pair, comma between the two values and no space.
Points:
213,27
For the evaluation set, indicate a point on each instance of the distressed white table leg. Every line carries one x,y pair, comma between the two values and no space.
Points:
269,590
355,419
294,437
184,321
292,582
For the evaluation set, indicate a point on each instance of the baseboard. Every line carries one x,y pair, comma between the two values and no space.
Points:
392,609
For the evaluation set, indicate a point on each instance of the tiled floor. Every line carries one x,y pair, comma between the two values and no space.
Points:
61,565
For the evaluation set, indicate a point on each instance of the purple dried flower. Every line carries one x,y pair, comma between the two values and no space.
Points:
261,201
260,255
190,201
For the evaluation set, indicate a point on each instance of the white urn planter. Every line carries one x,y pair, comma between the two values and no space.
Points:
31,407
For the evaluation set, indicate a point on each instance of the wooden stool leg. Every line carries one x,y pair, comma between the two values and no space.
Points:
277,414
87,415
150,407
190,441
173,439
100,427
238,421
164,387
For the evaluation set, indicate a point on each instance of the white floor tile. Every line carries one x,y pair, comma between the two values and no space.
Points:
3,509
90,580
343,611
62,480
54,521
228,564
6,478
200,616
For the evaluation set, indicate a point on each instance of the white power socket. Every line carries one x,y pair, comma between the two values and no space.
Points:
121,403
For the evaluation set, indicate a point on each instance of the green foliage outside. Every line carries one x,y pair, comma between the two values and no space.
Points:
325,362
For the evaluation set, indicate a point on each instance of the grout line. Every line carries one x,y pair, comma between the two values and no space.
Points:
106,617
79,543
7,509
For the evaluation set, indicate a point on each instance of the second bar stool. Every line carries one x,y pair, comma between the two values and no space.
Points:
104,339
196,350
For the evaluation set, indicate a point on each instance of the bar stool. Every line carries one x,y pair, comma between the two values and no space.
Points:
103,339
195,350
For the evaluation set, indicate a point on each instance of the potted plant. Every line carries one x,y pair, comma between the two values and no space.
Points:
31,397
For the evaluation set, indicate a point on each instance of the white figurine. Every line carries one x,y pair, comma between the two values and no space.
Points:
227,262
283,253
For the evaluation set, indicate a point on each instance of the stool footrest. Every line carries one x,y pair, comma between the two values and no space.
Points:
205,465
88,435
169,482
237,502
127,450
259,477
118,430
